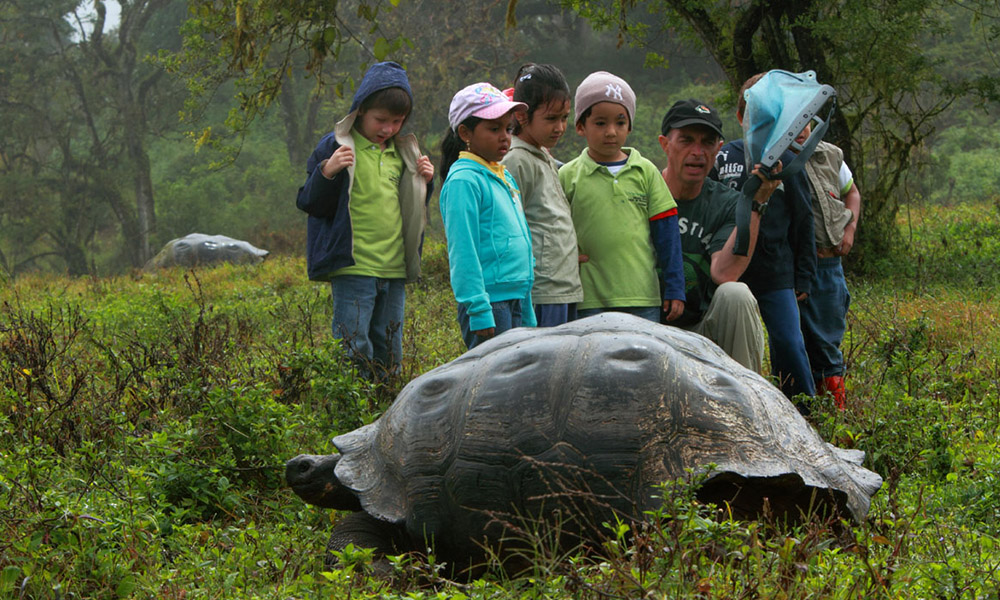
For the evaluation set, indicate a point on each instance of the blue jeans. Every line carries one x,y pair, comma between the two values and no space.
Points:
551,315
368,319
789,360
824,318
506,316
650,313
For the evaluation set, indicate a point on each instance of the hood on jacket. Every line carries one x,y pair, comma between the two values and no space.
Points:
379,77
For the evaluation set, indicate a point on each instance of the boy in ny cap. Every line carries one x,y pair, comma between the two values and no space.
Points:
365,193
718,306
624,215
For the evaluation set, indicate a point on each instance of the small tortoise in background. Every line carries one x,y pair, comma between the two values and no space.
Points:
198,249
571,425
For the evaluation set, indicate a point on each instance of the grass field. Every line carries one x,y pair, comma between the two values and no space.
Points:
145,420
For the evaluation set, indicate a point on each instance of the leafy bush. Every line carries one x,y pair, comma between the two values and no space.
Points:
954,245
144,423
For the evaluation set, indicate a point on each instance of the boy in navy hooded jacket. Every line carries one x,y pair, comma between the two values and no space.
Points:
366,192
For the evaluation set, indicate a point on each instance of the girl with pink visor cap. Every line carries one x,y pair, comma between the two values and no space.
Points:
489,244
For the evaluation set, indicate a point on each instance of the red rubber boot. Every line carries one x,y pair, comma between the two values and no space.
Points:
835,385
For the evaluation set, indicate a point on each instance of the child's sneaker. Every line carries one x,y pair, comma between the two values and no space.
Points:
835,385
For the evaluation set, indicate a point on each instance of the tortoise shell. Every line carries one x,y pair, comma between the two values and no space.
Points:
584,420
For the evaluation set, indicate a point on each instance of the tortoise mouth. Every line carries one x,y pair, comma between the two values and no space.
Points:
313,479
785,497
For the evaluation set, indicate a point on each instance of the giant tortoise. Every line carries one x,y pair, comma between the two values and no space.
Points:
571,426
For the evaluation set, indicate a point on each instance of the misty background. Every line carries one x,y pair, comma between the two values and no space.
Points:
127,125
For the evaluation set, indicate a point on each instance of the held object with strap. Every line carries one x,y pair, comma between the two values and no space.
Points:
779,107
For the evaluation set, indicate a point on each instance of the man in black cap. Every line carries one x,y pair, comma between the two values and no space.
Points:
718,306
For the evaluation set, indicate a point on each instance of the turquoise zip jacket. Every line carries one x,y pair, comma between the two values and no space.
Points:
489,245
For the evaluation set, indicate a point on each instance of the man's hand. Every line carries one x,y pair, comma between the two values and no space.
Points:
341,158
673,309
767,185
845,246
425,168
726,266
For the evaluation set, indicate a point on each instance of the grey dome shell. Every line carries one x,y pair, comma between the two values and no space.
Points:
595,413
198,249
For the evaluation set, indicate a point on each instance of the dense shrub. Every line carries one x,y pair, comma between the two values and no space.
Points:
144,423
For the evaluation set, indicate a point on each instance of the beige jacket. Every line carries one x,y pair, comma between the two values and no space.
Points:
830,214
553,238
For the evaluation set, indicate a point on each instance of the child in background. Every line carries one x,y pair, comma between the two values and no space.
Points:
557,286
366,191
489,245
837,209
624,215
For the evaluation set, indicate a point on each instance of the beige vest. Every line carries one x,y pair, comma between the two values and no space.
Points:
830,214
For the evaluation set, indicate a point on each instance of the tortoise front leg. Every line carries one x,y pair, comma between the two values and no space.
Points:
365,531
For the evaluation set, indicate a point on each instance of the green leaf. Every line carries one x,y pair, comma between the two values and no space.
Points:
9,577
125,587
381,49
329,36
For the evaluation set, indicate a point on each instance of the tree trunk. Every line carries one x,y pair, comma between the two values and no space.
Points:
75,258
300,121
127,219
143,184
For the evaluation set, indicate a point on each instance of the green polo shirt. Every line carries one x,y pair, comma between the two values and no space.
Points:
611,215
376,223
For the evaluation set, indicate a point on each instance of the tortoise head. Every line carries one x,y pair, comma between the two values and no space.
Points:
312,478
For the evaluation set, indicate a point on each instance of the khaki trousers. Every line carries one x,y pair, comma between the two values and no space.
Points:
733,322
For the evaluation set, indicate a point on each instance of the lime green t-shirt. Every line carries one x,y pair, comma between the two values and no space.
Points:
611,214
376,222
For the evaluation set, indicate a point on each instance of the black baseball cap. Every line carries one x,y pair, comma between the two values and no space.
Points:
691,112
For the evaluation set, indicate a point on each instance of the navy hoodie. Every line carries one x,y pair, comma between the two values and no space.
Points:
329,237
785,255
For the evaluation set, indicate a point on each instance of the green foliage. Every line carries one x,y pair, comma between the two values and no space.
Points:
957,245
258,43
252,198
431,336
144,423
927,349
965,167
154,407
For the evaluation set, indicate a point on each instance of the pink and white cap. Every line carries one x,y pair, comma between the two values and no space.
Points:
481,100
